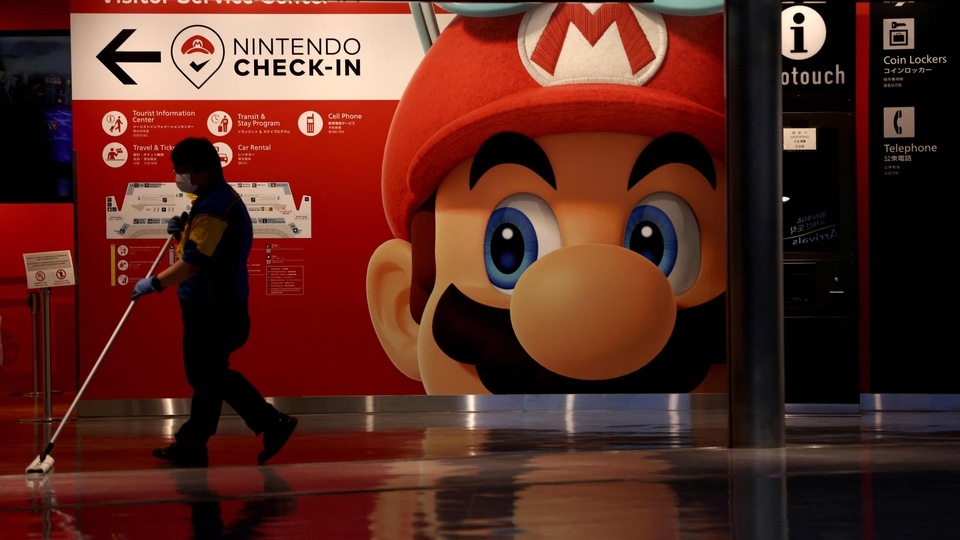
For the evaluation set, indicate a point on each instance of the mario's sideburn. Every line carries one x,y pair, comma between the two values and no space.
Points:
556,185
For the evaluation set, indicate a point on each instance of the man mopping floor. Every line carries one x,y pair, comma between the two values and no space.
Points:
214,242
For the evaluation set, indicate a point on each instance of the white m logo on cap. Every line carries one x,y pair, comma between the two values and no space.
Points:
606,43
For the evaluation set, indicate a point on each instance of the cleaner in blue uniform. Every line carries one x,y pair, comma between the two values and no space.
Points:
211,274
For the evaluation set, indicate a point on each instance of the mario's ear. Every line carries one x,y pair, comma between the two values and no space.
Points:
388,300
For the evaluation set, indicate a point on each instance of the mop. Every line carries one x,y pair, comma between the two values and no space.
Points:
44,462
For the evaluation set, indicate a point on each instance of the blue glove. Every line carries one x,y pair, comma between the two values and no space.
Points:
175,225
145,286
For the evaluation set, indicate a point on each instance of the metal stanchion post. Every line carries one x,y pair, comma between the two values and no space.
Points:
36,358
47,378
46,269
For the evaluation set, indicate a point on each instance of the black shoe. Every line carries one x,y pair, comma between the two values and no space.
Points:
182,457
275,436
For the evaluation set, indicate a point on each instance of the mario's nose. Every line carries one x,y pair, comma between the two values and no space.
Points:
593,312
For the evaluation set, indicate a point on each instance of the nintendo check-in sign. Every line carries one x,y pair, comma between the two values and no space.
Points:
238,56
48,269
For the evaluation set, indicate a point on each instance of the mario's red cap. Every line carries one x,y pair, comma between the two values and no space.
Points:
197,44
560,68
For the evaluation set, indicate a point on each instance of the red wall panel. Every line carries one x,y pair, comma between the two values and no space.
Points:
33,228
35,15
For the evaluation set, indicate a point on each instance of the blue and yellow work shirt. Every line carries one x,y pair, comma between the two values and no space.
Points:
217,239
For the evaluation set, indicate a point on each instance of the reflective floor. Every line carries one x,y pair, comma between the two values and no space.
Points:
510,473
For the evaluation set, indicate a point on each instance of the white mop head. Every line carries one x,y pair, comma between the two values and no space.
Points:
40,466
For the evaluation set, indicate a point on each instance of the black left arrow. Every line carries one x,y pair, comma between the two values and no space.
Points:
110,56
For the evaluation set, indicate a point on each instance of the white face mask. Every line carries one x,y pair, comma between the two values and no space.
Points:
184,183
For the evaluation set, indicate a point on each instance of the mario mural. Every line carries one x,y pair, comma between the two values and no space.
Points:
555,181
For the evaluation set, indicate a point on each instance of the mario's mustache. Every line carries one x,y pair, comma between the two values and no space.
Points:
482,336
479,335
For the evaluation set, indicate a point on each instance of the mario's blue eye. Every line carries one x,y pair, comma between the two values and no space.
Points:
664,230
509,246
651,234
520,230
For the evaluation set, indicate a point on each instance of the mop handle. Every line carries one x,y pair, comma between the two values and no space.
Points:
103,354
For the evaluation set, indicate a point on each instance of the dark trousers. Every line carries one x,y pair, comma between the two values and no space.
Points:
210,334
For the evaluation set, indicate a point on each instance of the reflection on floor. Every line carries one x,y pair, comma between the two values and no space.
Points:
553,474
